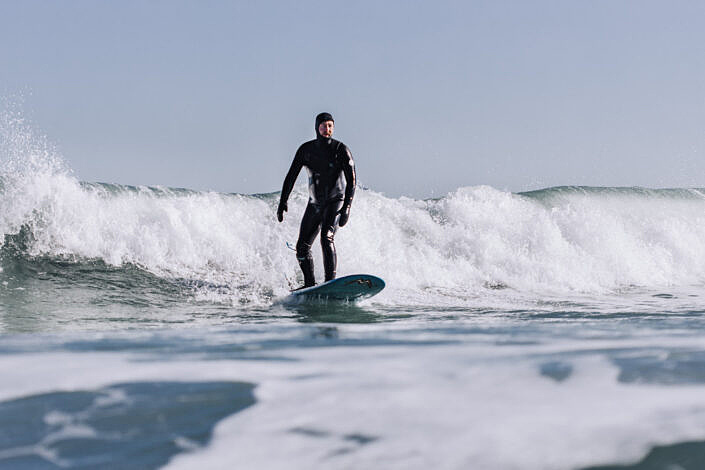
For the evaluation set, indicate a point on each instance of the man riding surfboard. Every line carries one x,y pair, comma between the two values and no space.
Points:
331,182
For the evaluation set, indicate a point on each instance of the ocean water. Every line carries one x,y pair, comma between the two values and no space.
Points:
148,327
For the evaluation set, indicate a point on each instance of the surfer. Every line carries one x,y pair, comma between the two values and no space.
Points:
331,183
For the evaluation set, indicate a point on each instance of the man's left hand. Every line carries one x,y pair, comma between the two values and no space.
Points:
344,215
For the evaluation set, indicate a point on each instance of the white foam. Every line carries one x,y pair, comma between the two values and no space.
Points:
422,410
466,405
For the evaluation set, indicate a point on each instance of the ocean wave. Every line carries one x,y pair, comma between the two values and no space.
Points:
563,239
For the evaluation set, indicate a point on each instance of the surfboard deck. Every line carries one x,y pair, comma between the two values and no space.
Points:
346,288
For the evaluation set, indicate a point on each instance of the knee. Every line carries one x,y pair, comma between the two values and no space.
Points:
303,250
327,236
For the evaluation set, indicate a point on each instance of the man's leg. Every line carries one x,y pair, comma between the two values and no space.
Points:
310,225
329,225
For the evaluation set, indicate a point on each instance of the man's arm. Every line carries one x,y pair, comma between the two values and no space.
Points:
289,181
349,172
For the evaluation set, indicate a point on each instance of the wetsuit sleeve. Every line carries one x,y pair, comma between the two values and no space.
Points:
291,176
349,172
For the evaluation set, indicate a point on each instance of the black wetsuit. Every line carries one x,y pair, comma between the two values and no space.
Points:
331,184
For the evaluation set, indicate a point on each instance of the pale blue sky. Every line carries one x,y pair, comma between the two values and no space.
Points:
429,96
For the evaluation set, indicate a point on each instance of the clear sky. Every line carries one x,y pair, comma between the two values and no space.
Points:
429,95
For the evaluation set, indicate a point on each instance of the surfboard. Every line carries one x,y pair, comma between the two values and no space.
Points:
346,288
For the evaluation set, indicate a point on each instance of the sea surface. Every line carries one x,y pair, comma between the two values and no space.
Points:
149,327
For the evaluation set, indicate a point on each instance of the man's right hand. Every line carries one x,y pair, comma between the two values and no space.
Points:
281,209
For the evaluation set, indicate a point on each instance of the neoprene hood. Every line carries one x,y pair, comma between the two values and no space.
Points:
323,117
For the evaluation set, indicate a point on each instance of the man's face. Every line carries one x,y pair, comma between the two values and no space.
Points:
326,129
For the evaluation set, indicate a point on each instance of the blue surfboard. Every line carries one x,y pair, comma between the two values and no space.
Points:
346,288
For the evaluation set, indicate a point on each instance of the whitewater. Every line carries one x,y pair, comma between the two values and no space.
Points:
148,327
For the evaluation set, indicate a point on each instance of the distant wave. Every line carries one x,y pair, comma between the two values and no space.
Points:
551,194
